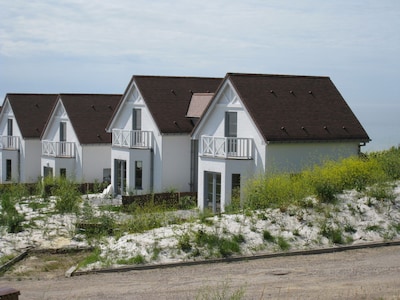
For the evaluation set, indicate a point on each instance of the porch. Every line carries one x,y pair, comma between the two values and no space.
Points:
58,149
226,147
132,138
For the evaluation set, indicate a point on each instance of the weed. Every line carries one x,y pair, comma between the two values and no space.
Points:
282,243
68,197
184,243
334,234
268,236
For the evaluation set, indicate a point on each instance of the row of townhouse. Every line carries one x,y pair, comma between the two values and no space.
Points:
205,135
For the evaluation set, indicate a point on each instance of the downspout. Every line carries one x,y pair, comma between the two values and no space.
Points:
151,170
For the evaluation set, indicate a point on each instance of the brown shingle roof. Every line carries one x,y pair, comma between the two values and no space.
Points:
89,115
296,108
31,112
168,98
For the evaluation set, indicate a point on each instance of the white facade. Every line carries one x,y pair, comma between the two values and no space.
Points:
220,171
18,155
164,158
65,156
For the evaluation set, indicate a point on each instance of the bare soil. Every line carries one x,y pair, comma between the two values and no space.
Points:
372,273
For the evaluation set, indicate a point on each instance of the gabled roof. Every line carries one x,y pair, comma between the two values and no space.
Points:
89,115
168,98
31,111
297,108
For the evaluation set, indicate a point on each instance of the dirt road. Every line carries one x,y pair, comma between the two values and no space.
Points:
357,274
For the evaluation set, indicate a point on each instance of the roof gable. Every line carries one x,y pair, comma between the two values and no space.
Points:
89,115
31,112
168,99
297,108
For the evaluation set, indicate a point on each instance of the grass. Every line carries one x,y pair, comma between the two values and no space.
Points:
325,181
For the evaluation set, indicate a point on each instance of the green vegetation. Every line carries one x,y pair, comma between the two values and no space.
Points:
377,170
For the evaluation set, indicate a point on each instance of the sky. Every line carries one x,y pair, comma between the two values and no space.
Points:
93,46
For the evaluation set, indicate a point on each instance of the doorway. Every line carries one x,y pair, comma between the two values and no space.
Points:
120,176
212,191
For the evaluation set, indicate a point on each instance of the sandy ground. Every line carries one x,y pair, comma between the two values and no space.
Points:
357,274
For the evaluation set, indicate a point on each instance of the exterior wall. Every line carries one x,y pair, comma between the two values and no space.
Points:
15,163
31,151
293,157
73,165
176,163
130,156
151,159
213,124
226,168
13,155
95,158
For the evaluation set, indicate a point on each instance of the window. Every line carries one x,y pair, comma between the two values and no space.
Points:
63,131
137,119
63,172
8,170
107,175
47,172
235,186
138,175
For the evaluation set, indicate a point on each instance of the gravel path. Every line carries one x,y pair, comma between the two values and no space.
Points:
357,274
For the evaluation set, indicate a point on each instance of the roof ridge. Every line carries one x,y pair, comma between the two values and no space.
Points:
274,75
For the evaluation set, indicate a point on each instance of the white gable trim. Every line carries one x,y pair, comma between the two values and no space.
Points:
226,96
8,113
60,113
131,96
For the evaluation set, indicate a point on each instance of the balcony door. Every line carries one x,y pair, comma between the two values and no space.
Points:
63,138
231,132
10,133
136,127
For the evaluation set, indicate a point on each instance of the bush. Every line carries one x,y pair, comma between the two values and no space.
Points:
389,161
68,197
274,191
9,216
325,181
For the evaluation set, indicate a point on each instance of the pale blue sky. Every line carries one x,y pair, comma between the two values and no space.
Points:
93,46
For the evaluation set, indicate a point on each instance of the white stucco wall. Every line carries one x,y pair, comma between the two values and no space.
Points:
73,165
293,157
31,152
95,158
176,163
13,155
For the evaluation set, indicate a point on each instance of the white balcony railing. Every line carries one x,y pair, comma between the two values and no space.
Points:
132,138
226,147
58,149
9,142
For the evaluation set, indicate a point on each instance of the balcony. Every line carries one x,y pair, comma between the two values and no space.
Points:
58,149
226,147
9,142
132,138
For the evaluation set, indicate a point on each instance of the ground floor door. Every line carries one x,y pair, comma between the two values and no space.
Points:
212,191
120,176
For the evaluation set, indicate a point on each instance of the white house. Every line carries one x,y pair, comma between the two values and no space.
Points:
22,120
151,144
74,142
265,123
